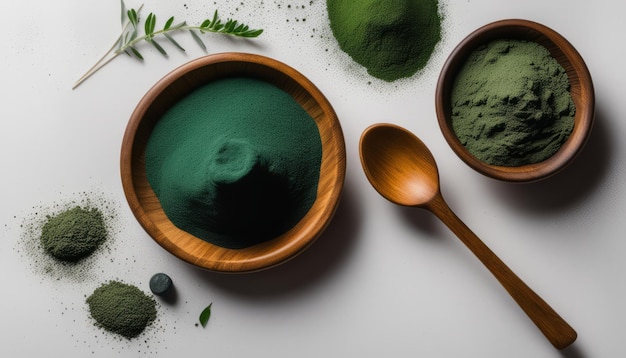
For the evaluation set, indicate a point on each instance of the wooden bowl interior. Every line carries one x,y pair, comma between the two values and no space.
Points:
581,90
179,83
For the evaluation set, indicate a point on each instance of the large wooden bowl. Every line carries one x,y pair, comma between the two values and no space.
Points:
177,84
581,90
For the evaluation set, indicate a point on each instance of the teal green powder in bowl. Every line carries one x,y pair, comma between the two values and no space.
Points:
235,163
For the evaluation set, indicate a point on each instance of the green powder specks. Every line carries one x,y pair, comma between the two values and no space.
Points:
511,104
121,308
235,163
74,233
73,226
393,39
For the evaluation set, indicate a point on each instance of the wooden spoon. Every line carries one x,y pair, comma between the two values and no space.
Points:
402,169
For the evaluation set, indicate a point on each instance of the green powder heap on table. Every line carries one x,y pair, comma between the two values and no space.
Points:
121,308
235,163
73,234
392,39
511,104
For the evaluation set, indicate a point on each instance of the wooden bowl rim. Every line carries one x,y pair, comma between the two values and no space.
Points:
275,251
582,91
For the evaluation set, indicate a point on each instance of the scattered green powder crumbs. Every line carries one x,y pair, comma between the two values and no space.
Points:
121,308
74,233
511,104
392,39
235,163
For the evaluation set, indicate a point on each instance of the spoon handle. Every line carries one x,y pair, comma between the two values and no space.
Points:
558,332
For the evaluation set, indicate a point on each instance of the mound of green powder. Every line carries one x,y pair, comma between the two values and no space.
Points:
235,163
121,308
73,234
511,104
392,39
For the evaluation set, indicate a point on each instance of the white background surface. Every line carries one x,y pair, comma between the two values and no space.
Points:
383,280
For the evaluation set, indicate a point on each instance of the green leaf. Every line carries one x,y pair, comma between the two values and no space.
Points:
168,24
167,36
230,26
158,47
206,24
198,39
132,17
133,35
205,315
150,24
252,33
136,53
239,29
123,13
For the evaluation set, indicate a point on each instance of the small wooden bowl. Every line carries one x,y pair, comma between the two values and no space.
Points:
581,90
176,85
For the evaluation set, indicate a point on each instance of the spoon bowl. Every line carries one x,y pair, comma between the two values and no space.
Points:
414,180
402,169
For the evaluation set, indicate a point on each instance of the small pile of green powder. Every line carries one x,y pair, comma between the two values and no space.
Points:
511,104
121,308
235,163
73,234
392,39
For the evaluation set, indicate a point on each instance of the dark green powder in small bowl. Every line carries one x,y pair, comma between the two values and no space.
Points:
121,308
511,104
74,233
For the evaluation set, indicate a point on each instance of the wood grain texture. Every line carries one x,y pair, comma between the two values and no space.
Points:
176,85
582,92
402,169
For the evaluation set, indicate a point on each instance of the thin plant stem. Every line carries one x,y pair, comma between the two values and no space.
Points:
98,65
101,62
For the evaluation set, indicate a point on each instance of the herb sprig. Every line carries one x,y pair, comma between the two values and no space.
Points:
130,37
